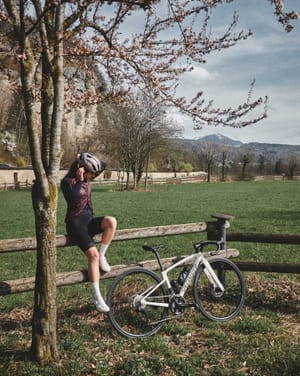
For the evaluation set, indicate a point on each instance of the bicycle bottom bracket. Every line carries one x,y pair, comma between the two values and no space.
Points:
177,305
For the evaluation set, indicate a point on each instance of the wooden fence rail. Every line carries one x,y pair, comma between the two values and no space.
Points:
213,233
213,230
26,244
81,276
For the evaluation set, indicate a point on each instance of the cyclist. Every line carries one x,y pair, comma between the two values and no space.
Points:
81,225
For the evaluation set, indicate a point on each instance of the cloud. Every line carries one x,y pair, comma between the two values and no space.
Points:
198,74
178,118
196,80
270,56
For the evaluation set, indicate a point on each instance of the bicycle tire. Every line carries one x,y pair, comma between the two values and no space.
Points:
125,315
213,304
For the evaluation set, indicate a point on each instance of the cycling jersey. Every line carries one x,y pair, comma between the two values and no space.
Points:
81,226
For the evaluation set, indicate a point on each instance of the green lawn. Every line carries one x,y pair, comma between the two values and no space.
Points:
263,340
257,206
271,207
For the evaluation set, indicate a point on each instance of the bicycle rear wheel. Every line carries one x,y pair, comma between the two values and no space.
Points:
213,303
128,315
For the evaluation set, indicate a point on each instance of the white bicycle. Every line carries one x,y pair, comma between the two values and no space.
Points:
141,301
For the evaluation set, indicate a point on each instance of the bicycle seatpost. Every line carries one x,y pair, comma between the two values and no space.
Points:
154,249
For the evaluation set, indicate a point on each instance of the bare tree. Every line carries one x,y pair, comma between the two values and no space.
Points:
208,153
224,152
279,167
292,166
45,33
246,161
130,134
247,158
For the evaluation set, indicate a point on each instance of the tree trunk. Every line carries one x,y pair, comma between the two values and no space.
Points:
43,346
45,162
223,165
208,172
127,179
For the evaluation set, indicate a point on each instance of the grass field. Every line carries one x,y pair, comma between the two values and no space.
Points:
264,340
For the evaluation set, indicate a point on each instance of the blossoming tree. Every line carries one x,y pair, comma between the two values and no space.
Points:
173,37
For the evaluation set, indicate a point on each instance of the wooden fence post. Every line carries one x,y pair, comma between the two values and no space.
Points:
16,181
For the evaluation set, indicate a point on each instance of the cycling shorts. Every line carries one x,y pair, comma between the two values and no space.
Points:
81,230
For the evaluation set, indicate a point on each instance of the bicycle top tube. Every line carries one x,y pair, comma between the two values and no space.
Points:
181,259
219,245
190,259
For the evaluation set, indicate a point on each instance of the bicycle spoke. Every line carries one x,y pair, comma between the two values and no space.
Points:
128,314
213,303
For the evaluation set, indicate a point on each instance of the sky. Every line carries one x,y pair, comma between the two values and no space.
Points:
271,57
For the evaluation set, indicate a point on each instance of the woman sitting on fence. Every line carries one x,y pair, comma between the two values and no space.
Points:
81,225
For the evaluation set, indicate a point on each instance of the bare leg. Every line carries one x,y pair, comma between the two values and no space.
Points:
94,276
93,264
109,225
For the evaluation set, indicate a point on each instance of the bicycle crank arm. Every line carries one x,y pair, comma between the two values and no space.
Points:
188,305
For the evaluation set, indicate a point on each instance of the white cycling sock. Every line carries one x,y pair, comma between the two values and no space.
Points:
103,249
96,290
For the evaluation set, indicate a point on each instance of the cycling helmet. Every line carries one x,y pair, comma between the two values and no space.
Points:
91,163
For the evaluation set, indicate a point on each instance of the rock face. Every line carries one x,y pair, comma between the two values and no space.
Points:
80,122
83,78
77,123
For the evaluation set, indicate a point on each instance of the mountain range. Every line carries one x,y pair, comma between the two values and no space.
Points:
219,139
274,151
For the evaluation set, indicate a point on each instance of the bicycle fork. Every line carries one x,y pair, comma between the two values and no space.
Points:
218,287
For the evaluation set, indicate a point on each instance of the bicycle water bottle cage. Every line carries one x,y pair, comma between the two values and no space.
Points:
182,275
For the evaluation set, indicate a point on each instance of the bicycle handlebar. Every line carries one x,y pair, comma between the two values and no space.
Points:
199,246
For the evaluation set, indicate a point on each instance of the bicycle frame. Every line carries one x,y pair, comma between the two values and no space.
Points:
216,284
198,259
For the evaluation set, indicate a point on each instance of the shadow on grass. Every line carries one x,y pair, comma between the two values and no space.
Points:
16,355
9,325
77,311
281,296
260,303
95,320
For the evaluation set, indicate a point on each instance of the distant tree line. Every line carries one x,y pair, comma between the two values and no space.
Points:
223,161
141,140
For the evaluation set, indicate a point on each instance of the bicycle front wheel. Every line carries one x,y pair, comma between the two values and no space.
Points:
128,314
213,303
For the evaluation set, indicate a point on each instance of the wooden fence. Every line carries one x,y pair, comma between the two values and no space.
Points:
214,230
15,185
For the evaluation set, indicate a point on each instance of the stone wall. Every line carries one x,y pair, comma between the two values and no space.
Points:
10,176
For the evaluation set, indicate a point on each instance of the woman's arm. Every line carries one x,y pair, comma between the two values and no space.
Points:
70,188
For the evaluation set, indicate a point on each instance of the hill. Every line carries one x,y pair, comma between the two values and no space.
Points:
270,151
219,139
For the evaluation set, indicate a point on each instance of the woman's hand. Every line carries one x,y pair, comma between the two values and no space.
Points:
80,174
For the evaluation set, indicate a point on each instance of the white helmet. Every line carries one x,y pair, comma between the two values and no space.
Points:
91,163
